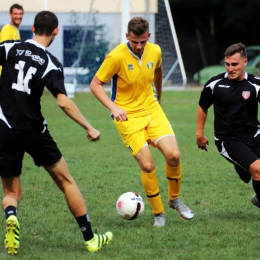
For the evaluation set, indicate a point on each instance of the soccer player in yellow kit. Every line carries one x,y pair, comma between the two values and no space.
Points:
133,68
10,31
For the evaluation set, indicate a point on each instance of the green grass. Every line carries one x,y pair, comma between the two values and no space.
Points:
226,225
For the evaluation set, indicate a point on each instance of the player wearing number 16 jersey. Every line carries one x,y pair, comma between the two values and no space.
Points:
27,69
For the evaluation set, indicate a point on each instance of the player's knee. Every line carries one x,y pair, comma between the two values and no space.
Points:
254,169
256,175
173,159
67,183
148,167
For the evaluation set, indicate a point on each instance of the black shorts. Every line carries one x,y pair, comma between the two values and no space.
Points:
242,152
14,143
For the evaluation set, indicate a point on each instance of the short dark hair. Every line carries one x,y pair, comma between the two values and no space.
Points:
17,6
236,48
138,26
45,22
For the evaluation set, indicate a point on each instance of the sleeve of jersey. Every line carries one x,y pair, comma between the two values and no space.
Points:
5,34
108,69
206,98
54,76
159,62
55,83
257,86
2,53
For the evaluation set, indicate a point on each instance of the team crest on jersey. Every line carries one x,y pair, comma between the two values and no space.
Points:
246,95
130,66
19,52
149,65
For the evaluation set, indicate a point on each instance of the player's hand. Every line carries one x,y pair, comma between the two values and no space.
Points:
93,134
119,114
202,142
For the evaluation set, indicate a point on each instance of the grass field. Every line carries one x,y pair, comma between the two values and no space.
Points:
226,224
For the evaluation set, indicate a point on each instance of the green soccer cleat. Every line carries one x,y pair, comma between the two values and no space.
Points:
95,244
12,236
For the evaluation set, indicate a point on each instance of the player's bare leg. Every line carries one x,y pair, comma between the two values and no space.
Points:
60,174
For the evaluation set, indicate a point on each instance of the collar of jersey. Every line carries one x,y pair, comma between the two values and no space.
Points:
36,43
12,24
131,50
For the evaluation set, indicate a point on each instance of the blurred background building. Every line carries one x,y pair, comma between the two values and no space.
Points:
194,36
89,29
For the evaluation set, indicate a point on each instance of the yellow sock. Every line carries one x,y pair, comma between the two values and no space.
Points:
151,187
174,177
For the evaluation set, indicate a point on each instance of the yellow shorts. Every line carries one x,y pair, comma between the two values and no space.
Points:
138,131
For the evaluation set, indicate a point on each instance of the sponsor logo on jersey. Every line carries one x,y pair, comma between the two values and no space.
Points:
19,52
246,95
29,54
150,65
34,57
223,86
130,66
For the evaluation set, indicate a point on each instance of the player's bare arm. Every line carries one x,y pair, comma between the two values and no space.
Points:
97,89
69,107
158,77
201,140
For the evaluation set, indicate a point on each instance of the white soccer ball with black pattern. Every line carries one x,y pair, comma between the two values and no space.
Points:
130,205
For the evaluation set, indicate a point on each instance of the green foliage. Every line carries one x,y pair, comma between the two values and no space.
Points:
239,15
226,224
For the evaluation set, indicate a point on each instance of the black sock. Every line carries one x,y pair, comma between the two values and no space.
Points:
256,187
10,210
85,226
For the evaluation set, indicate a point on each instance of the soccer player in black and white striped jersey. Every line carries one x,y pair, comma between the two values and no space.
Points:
27,69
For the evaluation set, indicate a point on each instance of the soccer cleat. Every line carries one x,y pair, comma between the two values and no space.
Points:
95,244
183,210
159,220
12,236
255,201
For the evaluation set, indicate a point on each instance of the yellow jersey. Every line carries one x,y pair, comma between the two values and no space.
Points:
9,32
132,77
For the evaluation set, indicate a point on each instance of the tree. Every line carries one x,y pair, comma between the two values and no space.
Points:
206,28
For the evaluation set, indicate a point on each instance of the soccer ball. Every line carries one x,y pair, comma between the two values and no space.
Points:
130,205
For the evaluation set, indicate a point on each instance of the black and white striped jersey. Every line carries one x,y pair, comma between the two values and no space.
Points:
235,104
27,68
